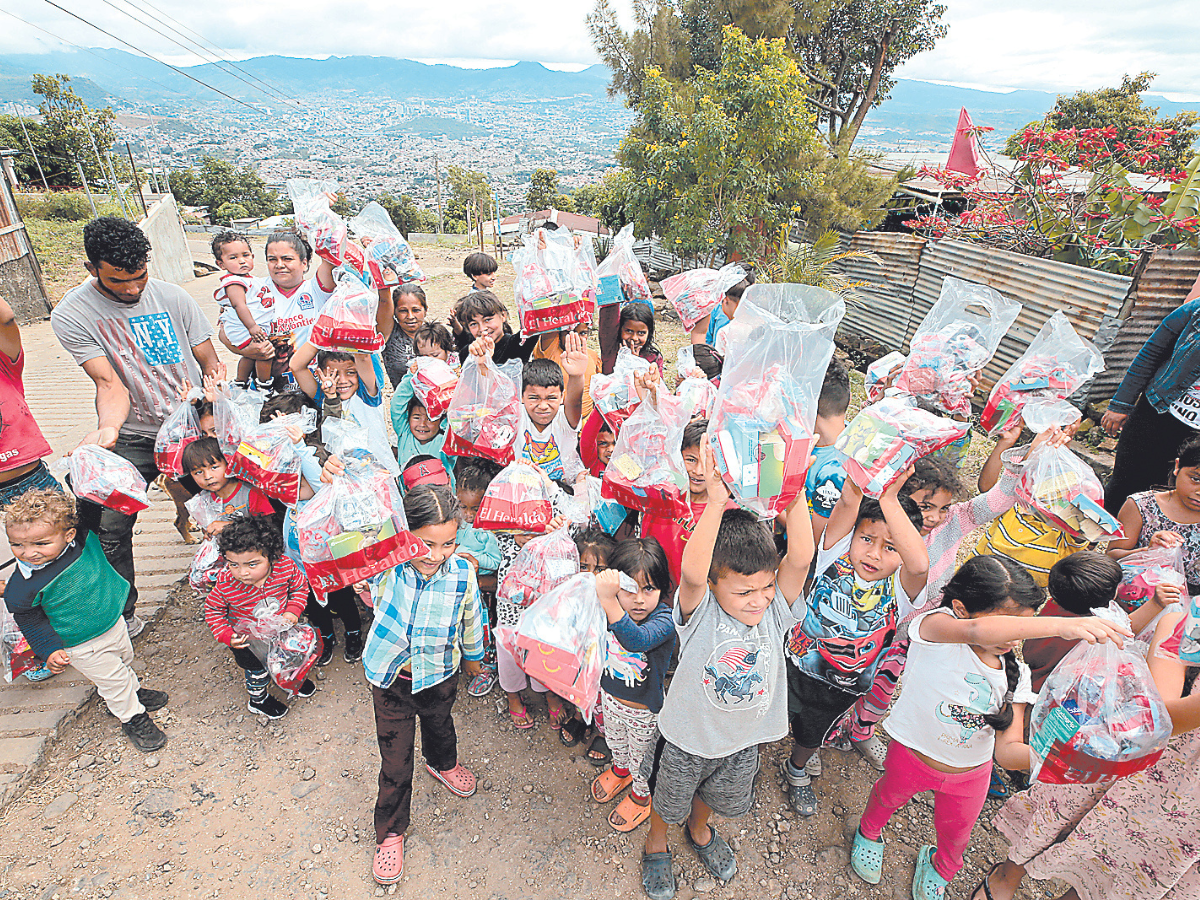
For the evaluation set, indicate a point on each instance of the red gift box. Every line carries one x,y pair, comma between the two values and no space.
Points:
556,668
659,500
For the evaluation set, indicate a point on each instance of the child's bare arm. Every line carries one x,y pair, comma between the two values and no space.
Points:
385,316
298,365
236,294
989,631
793,569
1011,750
843,515
906,538
574,361
990,473
698,551
325,277
365,368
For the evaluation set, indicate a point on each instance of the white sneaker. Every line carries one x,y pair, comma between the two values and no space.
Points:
135,625
872,750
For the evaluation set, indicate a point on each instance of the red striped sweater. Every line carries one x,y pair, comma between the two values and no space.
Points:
230,601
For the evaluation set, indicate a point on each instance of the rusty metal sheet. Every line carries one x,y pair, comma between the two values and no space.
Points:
880,308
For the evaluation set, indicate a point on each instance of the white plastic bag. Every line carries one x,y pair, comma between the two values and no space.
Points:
541,565
208,561
267,459
433,384
1064,490
346,322
103,477
390,260
615,395
178,429
236,412
646,471
697,292
879,371
552,290
623,265
484,413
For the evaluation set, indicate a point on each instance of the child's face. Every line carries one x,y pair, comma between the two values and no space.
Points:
38,543
641,604
487,326
729,305
211,476
423,428
634,335
745,597
934,504
469,501
1008,608
1187,486
442,541
429,348
237,258
345,375
208,426
410,314
541,403
590,561
871,552
250,568
605,444
484,281
693,464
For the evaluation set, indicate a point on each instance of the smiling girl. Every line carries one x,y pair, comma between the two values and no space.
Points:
635,326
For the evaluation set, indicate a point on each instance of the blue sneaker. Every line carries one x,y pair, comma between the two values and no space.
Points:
39,674
927,883
866,858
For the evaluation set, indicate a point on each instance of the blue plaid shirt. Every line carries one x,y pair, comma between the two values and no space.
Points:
426,623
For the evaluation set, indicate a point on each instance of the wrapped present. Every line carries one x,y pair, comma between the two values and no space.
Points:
887,437
16,656
267,459
178,429
236,412
433,384
1099,714
347,320
389,258
1143,570
615,395
541,565
622,265
1064,489
288,652
697,292
553,290
879,372
519,499
646,470
102,477
484,414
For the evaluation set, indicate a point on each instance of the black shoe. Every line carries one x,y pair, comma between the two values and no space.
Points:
268,706
143,733
354,646
307,689
152,700
329,644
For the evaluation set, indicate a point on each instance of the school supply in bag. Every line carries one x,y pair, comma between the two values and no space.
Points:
103,477
1143,570
324,229
879,372
433,384
539,567
288,652
615,395
16,656
389,258
1064,489
208,561
622,266
178,429
646,470
267,459
519,499
552,290
236,411
346,322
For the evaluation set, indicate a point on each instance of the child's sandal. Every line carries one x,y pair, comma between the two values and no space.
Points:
629,814
599,745
572,732
521,720
559,717
608,784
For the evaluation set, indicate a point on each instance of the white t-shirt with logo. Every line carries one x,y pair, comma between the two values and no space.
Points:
294,312
554,449
1187,408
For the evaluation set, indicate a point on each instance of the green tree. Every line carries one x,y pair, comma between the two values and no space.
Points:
715,162
406,215
228,211
217,182
1123,109
544,192
186,187
57,166
468,190
842,193
75,128
585,198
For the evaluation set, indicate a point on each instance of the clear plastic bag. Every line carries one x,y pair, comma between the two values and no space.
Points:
553,292
541,565
1189,639
1064,490
267,459
288,652
879,371
347,320
1042,414
608,514
389,258
561,641
179,429
1056,364
208,561
349,441
761,428
433,384
1143,570
484,414
1099,714
519,499
700,394
354,528
236,412
957,337
324,229
16,656
887,437
103,477
646,470
623,265
615,395
697,292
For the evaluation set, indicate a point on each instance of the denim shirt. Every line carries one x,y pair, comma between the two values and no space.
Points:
1167,365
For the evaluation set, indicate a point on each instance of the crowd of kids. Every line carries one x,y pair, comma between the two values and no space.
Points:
724,631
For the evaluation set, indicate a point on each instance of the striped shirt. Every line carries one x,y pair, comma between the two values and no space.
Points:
427,624
230,601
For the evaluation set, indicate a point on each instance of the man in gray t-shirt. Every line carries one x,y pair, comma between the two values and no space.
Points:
139,340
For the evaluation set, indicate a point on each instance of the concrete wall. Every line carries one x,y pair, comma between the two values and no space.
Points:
21,287
170,260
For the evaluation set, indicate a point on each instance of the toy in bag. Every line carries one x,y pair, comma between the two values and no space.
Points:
1189,639
321,226
178,430
354,528
561,641
347,320
286,651
646,470
608,514
1099,714
1055,365
267,459
208,561
103,477
484,413
879,372
887,437
1063,489
433,384
615,395
389,258
541,565
519,499
553,292
236,412
955,340
16,656
697,292
1142,571
761,427
622,266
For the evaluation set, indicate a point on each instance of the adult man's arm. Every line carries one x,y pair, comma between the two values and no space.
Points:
206,355
112,402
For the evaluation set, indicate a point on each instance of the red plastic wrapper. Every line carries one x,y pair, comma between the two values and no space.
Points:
646,470
433,384
1143,570
484,414
1064,489
16,656
622,264
267,459
389,258
697,292
541,565
519,500
354,528
614,395
553,290
1099,714
178,430
288,652
347,321
103,477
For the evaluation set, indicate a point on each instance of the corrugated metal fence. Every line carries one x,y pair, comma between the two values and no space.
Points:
20,274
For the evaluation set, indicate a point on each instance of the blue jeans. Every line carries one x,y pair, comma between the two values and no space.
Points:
41,477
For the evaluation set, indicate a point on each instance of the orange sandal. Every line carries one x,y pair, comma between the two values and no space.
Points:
608,784
389,860
459,780
629,814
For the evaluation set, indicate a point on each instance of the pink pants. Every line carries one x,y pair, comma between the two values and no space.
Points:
512,677
957,801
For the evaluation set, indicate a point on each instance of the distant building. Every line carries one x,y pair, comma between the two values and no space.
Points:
512,227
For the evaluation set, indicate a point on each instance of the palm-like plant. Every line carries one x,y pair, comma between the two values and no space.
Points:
815,263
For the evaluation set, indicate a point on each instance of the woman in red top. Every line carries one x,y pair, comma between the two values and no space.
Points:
22,445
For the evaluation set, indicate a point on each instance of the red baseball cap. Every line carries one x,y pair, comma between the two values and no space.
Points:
424,470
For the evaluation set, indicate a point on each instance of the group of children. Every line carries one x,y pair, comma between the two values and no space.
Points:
717,644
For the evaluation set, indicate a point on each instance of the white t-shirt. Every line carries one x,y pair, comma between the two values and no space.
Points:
1187,408
947,691
294,313
555,449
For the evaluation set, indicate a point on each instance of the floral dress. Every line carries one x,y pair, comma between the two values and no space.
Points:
1154,519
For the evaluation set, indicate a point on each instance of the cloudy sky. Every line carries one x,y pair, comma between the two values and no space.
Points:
1067,45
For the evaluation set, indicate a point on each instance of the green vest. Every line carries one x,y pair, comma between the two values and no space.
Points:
86,599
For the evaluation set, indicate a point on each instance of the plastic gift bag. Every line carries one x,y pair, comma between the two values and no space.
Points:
622,265
887,437
347,320
434,384
552,290
519,499
608,514
484,413
321,226
354,528
1063,489
236,412
957,337
16,656
389,258
1189,639
1099,715
267,459
561,641
615,395
288,652
646,470
208,561
178,430
761,427
103,477
1142,571
697,292
879,371
541,565
349,441
1056,364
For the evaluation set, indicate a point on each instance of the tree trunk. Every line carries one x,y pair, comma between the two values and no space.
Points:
848,134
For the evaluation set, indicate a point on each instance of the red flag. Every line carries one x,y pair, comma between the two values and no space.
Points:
964,152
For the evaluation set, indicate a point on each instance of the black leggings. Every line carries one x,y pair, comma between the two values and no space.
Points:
1146,453
342,603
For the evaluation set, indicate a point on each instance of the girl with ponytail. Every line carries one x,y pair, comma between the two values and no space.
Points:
963,703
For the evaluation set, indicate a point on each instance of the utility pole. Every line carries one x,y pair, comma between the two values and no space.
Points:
499,243
138,181
33,152
87,190
438,178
